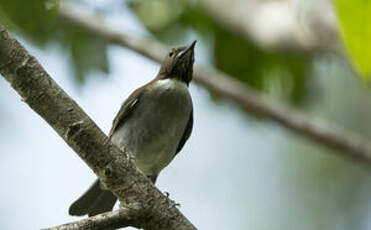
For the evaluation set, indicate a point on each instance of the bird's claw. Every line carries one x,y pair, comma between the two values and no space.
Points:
129,156
123,149
173,203
176,204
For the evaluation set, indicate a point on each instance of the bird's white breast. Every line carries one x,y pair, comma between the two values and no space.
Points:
170,84
154,129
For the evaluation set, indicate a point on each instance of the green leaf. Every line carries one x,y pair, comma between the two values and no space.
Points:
355,23
36,21
33,18
157,14
88,54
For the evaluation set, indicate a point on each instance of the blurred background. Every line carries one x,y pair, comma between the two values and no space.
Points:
238,170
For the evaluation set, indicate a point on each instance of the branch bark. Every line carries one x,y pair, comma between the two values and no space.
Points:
118,219
114,168
349,144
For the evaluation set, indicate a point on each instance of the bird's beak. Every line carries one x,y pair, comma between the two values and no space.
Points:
190,48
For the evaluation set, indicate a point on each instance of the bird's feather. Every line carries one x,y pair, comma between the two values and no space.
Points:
186,134
127,108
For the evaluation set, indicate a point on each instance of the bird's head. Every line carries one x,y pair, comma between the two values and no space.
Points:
178,63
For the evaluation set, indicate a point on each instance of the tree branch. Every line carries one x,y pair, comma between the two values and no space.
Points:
110,220
348,143
114,168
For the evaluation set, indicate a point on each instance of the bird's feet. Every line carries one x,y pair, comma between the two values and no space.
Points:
123,149
130,157
173,203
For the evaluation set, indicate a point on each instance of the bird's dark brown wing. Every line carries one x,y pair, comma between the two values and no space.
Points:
186,134
126,109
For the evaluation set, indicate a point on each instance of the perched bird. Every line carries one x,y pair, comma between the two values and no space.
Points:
153,124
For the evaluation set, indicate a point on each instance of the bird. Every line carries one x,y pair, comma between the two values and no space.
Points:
152,125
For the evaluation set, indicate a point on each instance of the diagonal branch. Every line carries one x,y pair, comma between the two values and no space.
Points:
114,168
346,142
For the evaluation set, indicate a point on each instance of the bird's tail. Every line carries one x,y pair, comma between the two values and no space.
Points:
93,202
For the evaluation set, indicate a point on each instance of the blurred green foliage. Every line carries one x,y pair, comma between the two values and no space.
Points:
283,76
171,21
37,21
355,23
88,54
35,18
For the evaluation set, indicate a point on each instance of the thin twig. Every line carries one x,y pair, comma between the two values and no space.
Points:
109,220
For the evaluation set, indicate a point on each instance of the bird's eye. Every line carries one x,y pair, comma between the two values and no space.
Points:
171,53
